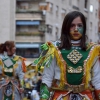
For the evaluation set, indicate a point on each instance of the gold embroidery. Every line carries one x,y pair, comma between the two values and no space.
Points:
74,56
8,69
79,69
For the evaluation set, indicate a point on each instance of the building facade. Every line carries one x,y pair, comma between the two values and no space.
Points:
7,20
41,20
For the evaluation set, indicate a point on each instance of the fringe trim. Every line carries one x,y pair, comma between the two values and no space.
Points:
62,65
94,52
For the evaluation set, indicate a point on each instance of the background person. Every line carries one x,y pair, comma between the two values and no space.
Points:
11,73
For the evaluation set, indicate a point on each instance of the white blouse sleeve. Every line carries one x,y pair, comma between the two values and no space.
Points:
50,73
96,75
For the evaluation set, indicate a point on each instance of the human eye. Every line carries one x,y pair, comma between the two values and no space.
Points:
80,25
72,25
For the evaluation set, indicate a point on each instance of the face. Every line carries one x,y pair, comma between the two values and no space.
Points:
11,51
76,29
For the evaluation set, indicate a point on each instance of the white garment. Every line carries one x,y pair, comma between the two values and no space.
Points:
53,72
35,95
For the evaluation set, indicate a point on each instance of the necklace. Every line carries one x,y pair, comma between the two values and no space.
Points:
76,47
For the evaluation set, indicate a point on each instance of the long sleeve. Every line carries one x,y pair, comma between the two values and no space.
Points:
50,73
19,72
96,75
96,79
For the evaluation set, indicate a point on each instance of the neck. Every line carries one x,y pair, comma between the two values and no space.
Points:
75,43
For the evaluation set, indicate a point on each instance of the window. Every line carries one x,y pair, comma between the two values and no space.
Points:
56,10
91,8
28,50
51,7
57,33
85,4
49,29
96,13
43,6
90,25
63,13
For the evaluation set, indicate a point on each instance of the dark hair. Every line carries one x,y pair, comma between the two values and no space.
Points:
65,36
3,46
9,44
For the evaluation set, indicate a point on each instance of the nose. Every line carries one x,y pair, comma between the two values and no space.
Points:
76,28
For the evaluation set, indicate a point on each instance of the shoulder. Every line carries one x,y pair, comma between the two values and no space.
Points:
56,43
17,57
90,45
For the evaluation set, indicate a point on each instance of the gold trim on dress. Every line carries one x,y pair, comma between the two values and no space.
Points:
74,56
79,69
8,69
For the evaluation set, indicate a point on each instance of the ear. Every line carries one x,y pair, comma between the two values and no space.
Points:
7,47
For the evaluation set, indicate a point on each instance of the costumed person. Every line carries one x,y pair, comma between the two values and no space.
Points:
11,73
71,66
8,45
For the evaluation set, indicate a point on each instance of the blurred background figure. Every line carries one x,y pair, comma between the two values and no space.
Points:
32,83
9,49
11,72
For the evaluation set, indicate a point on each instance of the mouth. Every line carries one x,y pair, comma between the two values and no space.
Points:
75,34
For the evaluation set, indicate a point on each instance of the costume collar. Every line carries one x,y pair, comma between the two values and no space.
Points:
5,54
75,42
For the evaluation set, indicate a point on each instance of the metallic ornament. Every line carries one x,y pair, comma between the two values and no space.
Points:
74,56
8,70
79,69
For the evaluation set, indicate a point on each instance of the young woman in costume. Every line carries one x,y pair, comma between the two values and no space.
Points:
11,73
71,66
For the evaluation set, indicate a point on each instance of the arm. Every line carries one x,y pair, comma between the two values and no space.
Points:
96,79
49,74
20,74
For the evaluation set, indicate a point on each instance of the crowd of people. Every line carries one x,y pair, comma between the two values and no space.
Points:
71,67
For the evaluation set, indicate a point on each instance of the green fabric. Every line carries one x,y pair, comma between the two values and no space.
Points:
9,73
44,92
74,78
44,46
7,98
44,58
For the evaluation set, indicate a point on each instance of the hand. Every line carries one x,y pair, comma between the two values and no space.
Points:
21,90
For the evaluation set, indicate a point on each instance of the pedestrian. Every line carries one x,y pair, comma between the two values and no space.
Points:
71,65
11,73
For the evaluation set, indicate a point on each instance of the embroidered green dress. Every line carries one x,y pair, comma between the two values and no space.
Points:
68,72
11,78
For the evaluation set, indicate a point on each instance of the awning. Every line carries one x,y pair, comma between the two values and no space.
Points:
27,23
26,45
